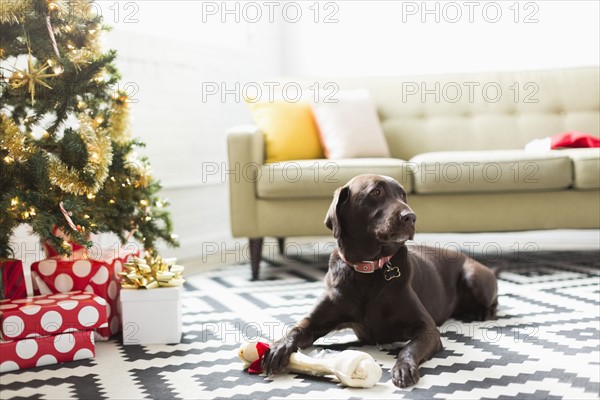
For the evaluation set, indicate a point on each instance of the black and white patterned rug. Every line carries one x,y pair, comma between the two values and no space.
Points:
544,344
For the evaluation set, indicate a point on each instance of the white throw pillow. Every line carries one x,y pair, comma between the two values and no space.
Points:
350,128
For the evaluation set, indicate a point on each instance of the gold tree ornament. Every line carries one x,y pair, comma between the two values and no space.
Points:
34,75
80,57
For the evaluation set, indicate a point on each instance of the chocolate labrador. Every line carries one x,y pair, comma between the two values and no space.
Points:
383,289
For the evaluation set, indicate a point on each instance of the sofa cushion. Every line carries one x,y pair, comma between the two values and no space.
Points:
289,128
320,178
350,127
586,167
490,171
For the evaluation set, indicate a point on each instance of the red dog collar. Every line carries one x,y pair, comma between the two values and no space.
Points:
367,267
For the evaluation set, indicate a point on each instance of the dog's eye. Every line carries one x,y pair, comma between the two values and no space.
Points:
375,192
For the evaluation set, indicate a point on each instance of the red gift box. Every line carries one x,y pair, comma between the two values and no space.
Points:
46,350
59,275
51,314
12,280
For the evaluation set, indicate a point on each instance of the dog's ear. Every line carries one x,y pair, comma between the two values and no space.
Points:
332,219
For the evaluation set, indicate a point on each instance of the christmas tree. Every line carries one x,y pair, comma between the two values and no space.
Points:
67,159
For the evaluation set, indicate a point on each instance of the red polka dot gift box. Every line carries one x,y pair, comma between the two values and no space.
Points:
51,315
12,279
57,275
46,350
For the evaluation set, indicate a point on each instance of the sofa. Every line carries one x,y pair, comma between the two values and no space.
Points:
460,158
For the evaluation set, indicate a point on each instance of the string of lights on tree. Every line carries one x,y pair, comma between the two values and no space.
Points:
65,139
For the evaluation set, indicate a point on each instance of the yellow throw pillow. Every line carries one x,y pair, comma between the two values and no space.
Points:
289,128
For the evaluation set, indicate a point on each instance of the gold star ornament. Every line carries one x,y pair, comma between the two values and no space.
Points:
34,75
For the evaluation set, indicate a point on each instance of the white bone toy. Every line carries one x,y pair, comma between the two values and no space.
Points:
353,368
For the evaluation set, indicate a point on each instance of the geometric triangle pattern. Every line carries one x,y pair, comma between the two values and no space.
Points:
545,342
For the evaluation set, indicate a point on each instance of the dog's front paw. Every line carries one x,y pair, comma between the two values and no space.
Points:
405,373
277,358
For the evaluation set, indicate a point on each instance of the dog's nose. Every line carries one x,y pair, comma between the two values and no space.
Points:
409,218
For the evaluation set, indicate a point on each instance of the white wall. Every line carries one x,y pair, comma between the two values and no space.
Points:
400,37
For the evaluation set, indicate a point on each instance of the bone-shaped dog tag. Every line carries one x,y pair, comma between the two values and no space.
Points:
391,272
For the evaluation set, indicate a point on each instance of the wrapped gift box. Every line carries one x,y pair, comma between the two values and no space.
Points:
12,279
151,316
45,350
59,275
51,314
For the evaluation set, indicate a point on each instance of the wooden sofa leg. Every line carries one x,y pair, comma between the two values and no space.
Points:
256,245
281,245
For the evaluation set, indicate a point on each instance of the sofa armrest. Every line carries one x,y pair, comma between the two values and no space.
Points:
245,152
246,139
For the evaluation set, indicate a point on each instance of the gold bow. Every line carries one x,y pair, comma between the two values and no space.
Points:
151,272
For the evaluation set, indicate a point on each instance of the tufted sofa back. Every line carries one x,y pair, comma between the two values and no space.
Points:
480,111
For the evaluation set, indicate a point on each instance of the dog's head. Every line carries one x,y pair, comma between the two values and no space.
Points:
369,217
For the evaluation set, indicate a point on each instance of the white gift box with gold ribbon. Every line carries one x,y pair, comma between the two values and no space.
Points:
151,316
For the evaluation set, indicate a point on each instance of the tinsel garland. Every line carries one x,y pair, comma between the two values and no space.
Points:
119,119
99,149
14,12
12,140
